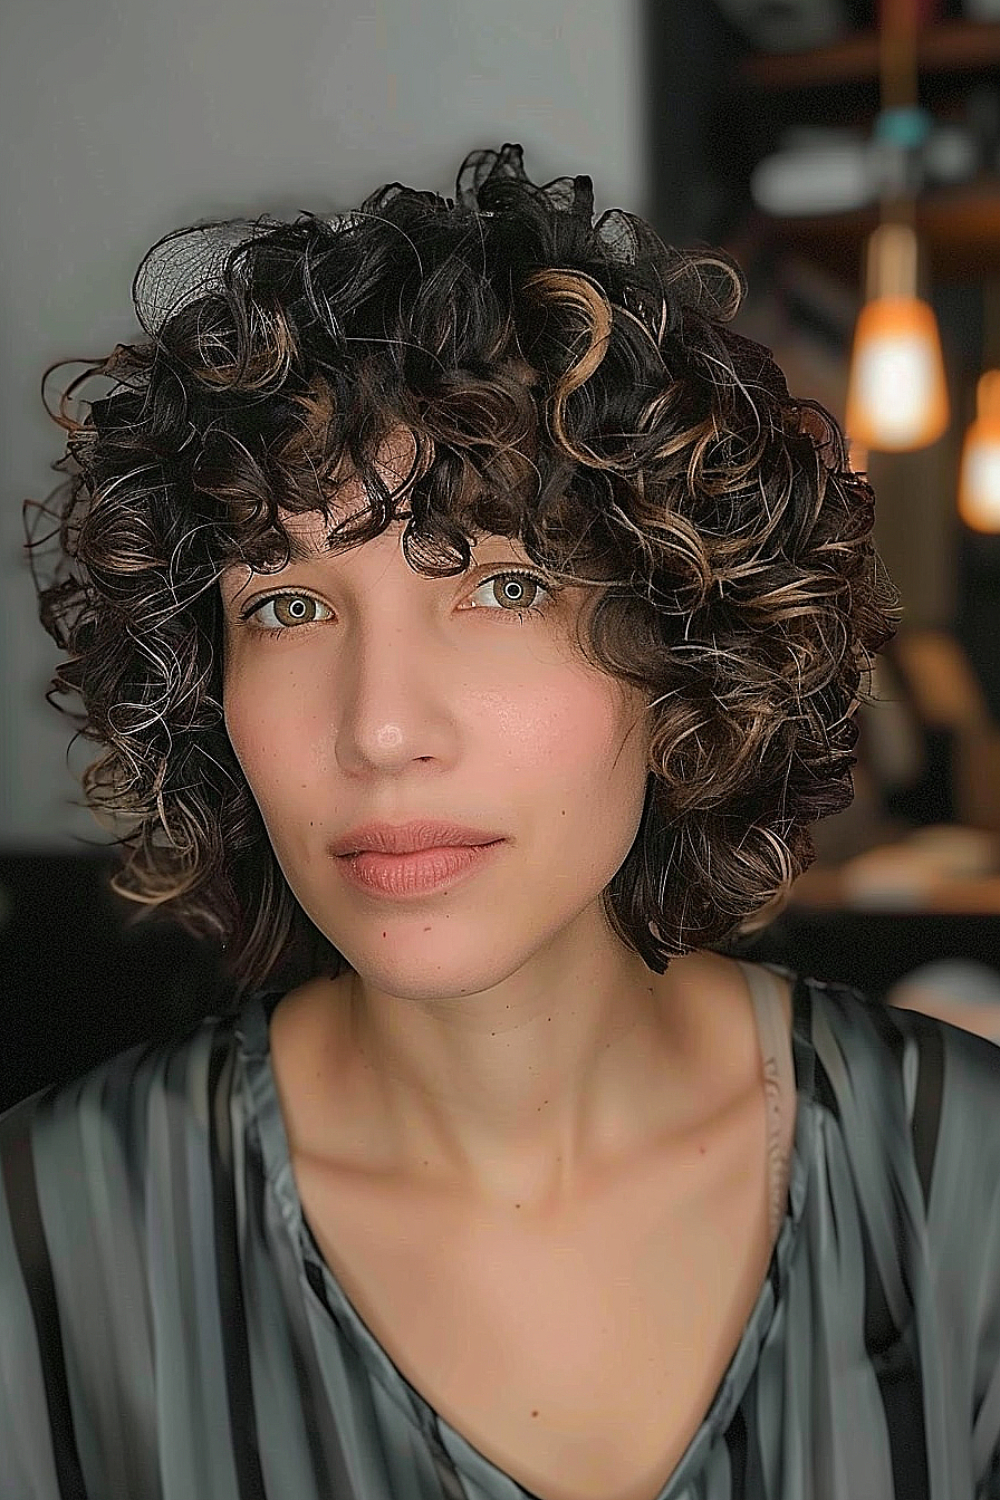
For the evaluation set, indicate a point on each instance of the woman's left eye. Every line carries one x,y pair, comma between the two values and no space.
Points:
280,613
514,586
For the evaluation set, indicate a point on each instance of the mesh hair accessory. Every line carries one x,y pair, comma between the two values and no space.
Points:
190,263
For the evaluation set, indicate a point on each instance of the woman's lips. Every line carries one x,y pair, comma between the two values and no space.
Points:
414,874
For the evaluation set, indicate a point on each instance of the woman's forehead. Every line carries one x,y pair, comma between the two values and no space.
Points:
308,531
394,462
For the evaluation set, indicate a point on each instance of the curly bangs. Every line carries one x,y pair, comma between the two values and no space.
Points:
571,385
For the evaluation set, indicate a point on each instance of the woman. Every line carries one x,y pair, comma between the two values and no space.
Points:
473,625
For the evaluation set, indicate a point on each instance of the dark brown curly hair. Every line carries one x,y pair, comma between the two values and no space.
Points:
569,384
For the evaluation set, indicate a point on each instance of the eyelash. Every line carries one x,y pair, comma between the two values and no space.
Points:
532,609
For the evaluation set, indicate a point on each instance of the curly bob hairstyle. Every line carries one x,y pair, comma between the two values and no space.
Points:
569,384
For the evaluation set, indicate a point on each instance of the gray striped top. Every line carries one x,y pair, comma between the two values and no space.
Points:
169,1329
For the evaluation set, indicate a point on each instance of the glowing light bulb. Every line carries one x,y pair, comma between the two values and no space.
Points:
897,396
979,475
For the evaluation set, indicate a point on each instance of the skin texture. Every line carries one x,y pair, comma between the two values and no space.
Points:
497,1033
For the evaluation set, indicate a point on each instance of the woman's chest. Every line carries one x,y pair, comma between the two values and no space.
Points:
580,1359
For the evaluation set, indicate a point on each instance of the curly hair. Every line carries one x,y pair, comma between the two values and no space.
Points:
569,384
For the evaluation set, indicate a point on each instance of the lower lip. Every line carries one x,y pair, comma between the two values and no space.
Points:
415,874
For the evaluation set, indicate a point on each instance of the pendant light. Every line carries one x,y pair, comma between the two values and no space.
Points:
897,397
979,477
979,473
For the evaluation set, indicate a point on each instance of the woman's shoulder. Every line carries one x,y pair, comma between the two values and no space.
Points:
86,1162
907,1083
910,1105
871,1028
67,1137
103,1181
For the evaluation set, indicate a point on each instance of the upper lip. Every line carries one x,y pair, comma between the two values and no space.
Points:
405,838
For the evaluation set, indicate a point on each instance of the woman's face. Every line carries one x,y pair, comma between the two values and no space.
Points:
357,689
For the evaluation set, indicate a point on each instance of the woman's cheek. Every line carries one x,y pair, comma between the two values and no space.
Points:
256,734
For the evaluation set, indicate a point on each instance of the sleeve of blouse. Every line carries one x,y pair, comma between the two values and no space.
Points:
39,1460
986,1409
968,1167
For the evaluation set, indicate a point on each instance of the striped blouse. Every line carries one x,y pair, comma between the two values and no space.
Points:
170,1331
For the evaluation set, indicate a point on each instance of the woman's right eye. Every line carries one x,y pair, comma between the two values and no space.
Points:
288,610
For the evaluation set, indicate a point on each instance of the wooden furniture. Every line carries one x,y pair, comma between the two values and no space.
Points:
838,86
873,950
827,890
870,921
956,46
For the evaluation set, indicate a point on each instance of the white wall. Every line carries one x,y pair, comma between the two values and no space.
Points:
123,119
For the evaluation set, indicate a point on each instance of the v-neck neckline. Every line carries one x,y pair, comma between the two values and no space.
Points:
252,1027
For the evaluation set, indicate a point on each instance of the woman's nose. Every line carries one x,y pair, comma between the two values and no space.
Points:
392,699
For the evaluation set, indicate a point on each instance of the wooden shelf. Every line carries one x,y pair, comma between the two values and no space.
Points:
825,890
948,47
960,228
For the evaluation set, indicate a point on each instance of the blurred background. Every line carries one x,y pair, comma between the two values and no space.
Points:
846,152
